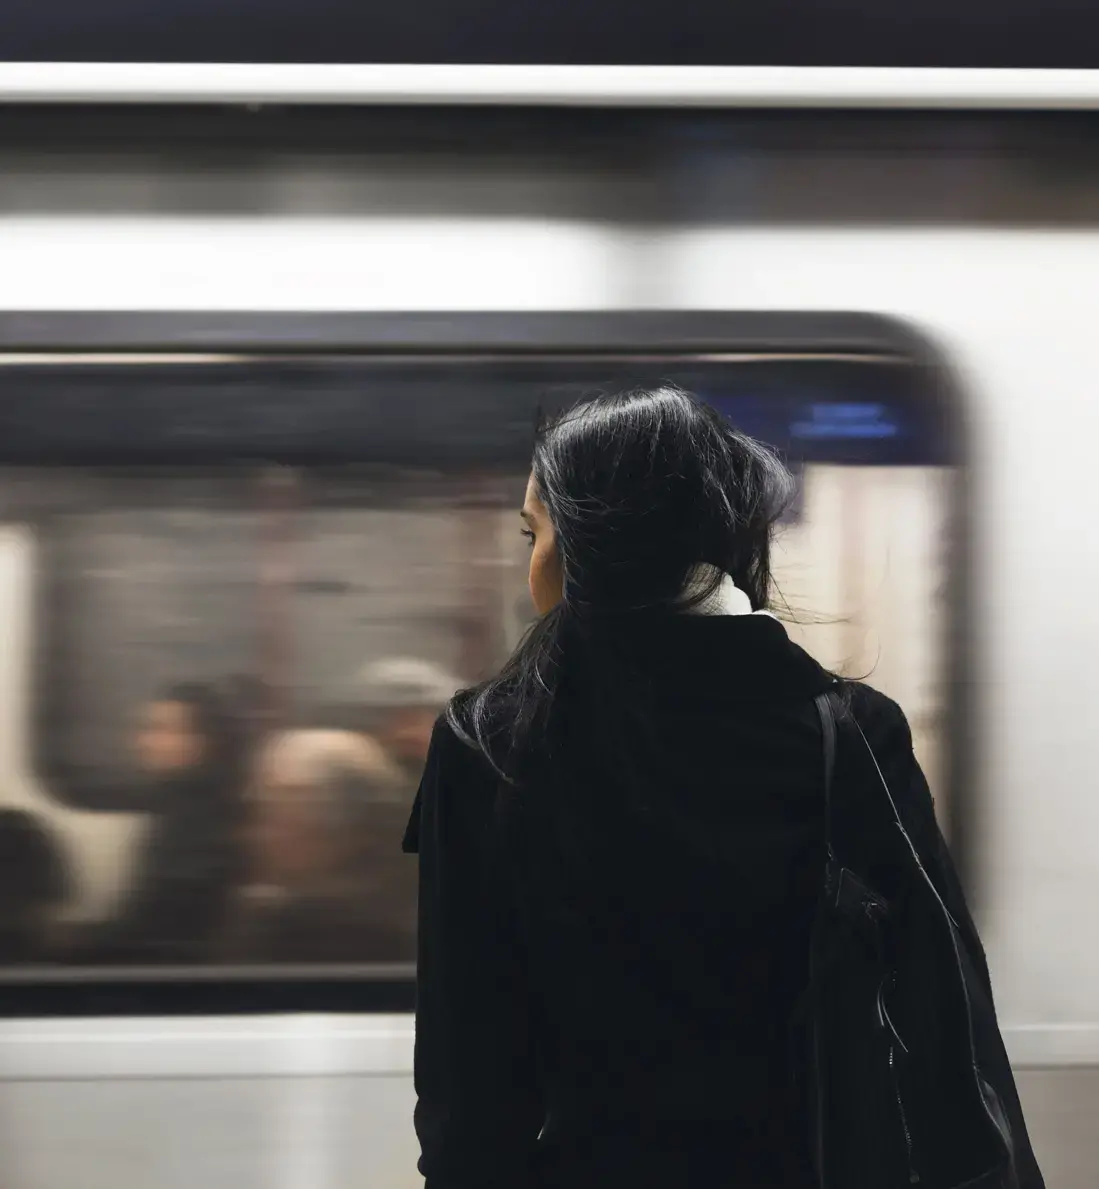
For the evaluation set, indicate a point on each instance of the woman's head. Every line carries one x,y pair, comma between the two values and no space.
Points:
630,492
182,729
637,503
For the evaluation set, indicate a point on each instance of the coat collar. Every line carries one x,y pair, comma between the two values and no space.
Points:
729,658
720,650
722,653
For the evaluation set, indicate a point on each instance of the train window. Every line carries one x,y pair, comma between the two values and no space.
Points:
238,590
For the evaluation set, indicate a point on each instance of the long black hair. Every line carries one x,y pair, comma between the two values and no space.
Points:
653,497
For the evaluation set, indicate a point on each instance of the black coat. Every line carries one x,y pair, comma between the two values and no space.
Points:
623,1011
189,862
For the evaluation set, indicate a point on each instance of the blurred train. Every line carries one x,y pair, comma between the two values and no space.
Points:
268,380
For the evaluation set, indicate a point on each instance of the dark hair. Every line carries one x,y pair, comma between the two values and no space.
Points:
642,488
250,703
222,735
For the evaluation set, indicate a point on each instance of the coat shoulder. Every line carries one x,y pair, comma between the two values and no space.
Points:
880,717
457,780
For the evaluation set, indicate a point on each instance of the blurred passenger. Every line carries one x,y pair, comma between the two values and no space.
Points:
34,885
191,758
407,694
622,861
327,885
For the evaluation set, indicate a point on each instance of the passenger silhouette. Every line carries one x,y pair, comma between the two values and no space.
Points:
622,864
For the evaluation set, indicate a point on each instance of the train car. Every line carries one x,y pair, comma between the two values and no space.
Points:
269,374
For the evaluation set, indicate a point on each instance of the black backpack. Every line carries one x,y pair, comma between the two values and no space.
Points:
907,1079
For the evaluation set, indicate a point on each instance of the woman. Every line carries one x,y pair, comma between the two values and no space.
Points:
189,751
621,847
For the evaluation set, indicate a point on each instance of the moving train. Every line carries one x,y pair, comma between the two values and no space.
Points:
269,376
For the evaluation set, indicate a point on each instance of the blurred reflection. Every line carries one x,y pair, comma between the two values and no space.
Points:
323,888
189,751
251,704
34,884
205,823
406,695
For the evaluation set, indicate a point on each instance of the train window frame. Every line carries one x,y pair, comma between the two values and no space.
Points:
635,336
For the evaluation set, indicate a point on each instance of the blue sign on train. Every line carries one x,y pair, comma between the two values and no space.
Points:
846,421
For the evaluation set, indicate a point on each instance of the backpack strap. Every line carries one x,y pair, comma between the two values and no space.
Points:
827,717
843,897
844,891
